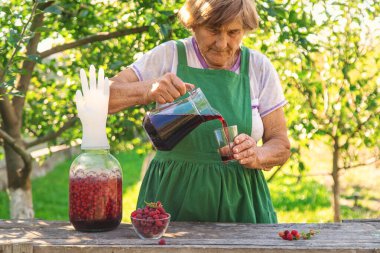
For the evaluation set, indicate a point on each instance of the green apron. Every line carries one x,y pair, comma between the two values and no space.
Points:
191,180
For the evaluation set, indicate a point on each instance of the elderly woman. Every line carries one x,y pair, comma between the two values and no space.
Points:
240,83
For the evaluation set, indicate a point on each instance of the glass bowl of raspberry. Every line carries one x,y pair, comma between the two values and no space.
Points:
150,222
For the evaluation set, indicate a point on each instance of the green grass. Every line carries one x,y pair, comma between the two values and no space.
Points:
50,193
308,200
4,206
304,201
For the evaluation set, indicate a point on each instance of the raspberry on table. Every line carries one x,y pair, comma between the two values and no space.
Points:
295,235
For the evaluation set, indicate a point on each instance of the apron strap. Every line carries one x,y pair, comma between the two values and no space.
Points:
181,51
244,61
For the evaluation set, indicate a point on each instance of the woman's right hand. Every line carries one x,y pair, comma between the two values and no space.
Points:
167,88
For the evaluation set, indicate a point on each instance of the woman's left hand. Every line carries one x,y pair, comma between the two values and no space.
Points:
246,152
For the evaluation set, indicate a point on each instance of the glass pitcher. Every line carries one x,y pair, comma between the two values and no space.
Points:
168,125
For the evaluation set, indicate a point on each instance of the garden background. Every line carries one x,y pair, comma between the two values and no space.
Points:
326,53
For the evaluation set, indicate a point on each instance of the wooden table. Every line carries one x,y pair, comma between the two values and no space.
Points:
40,236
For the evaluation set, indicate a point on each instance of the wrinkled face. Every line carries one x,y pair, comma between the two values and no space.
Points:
219,45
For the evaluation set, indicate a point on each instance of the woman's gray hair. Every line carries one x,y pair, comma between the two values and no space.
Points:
215,13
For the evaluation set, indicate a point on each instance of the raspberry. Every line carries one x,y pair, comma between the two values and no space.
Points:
295,235
159,223
161,210
162,242
94,200
151,221
134,213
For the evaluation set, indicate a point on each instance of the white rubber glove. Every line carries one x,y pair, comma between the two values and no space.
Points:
92,108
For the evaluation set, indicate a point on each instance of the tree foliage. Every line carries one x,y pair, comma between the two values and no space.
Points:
327,54
43,45
49,101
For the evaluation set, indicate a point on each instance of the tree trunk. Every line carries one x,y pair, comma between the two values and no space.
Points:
21,203
336,185
19,185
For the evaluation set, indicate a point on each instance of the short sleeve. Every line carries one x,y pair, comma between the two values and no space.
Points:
156,62
271,95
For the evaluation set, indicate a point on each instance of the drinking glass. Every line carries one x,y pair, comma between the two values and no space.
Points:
225,137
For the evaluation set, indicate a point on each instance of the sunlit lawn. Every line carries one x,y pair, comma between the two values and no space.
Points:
308,200
50,193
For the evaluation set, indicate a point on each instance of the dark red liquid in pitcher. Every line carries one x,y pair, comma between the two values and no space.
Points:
165,131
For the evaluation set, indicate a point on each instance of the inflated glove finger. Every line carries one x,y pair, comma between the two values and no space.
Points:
83,79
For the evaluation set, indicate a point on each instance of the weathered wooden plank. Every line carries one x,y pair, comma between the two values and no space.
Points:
32,223
321,238
360,220
316,245
204,226
16,248
43,236
192,249
178,230
110,237
22,248
6,247
216,243
210,227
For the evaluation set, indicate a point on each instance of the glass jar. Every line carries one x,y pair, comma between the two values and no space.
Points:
95,191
